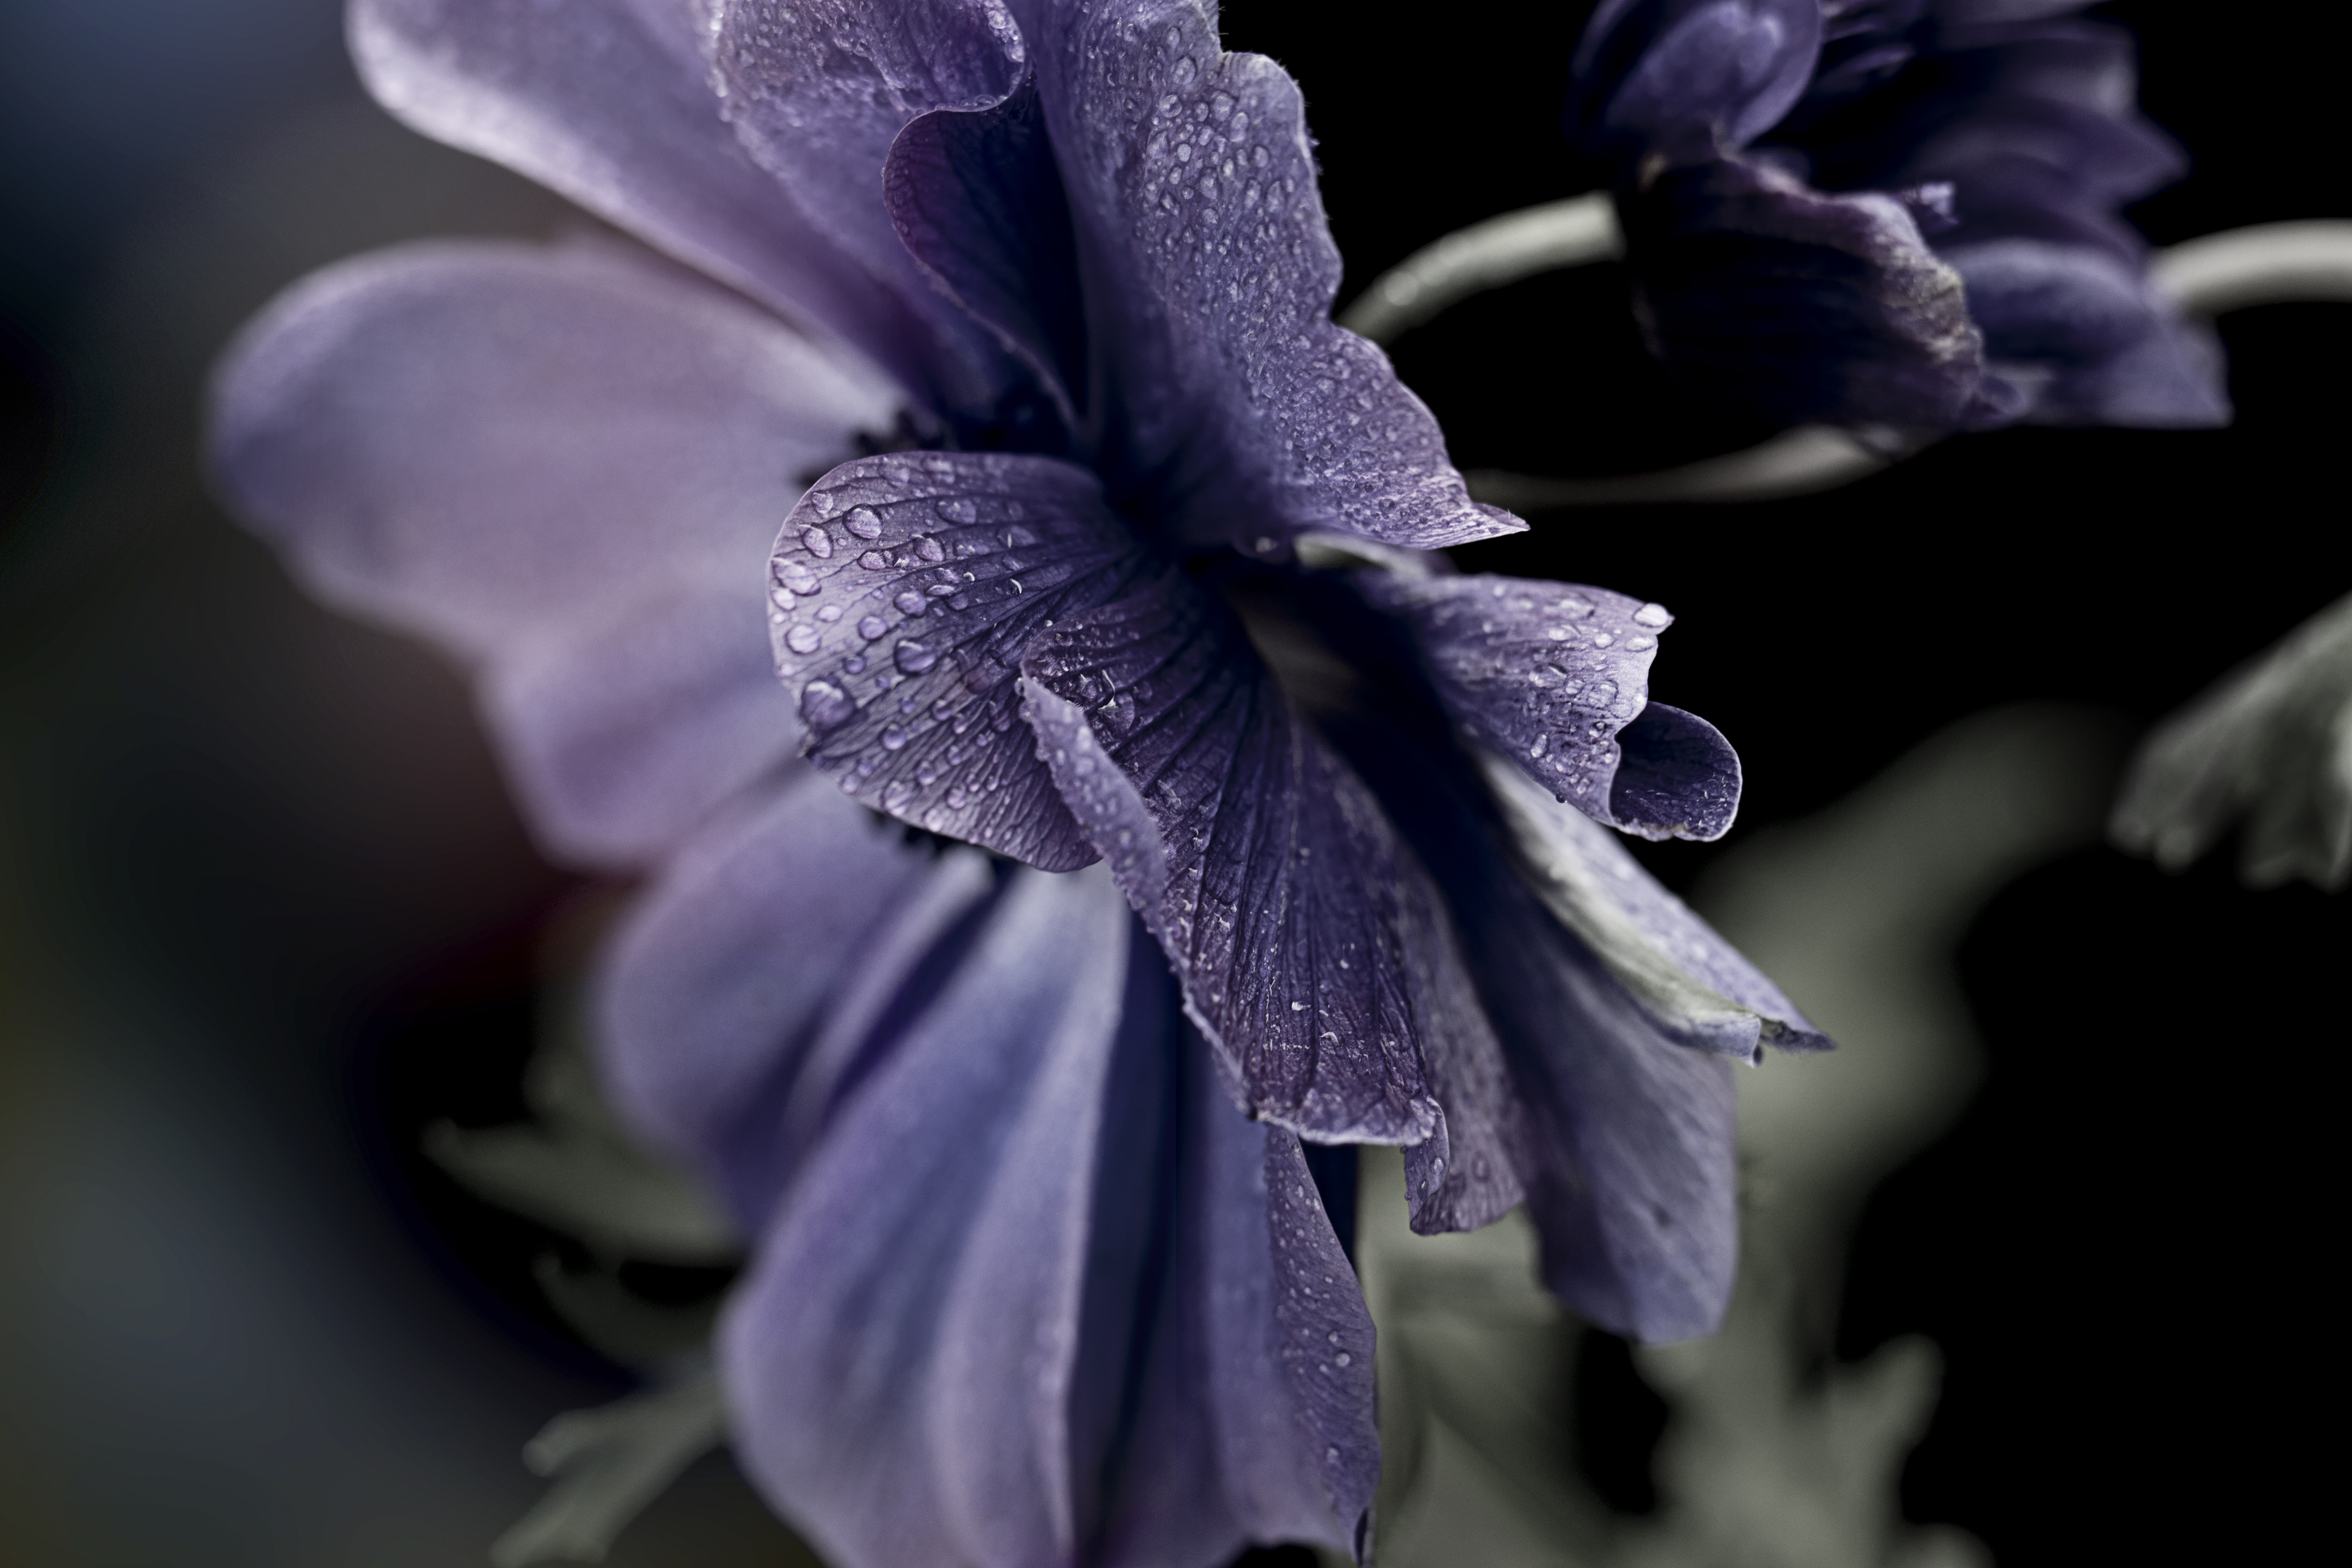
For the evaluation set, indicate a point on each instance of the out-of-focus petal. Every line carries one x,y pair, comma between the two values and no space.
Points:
1681,79
905,590
735,999
609,102
536,455
1034,1241
818,89
2270,745
2087,338
977,200
1550,675
1210,274
1256,858
1764,293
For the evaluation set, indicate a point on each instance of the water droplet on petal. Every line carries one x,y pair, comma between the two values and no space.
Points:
802,639
893,738
1654,616
913,658
897,793
910,601
871,626
824,706
816,541
864,521
931,549
795,575
958,509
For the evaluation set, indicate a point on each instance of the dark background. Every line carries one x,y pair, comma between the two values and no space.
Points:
264,911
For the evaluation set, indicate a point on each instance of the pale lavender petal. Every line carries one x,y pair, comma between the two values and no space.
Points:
1551,675
535,455
1256,858
1210,274
977,200
905,590
744,971
609,102
818,89
900,1361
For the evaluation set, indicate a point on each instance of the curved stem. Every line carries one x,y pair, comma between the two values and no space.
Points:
2264,264
1485,256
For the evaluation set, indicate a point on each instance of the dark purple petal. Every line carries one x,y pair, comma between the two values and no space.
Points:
1677,777
564,465
1761,292
818,89
1684,79
904,591
1323,1340
609,102
1259,861
1033,1300
1550,675
1210,275
736,998
1696,987
978,202
2087,338
1467,1174
1628,1148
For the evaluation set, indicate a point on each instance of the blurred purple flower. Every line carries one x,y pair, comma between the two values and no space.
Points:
1134,569
1893,213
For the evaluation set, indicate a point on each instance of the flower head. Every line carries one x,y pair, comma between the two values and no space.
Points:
1154,765
1891,212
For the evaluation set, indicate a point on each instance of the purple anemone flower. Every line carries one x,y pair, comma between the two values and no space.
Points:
1146,812
1891,213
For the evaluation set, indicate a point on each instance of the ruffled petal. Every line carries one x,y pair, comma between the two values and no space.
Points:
905,590
818,89
1041,1297
1761,292
1627,1158
749,980
978,202
609,103
1552,676
1210,275
1256,858
565,465
1681,79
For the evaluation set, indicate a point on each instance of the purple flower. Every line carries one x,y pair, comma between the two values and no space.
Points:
1212,786
1893,213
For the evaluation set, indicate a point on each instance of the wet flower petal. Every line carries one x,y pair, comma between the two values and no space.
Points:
905,589
1550,675
555,462
1256,857
1211,273
818,89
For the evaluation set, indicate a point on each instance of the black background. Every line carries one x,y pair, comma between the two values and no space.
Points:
2120,1248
